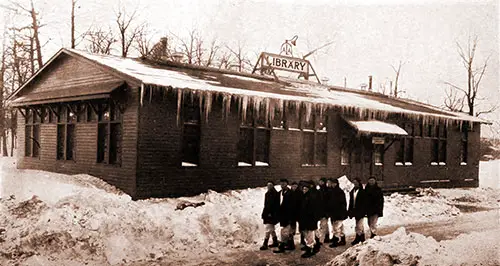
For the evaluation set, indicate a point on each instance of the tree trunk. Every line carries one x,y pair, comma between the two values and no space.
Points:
13,131
36,26
73,2
5,152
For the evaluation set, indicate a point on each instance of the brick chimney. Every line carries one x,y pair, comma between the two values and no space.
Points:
369,83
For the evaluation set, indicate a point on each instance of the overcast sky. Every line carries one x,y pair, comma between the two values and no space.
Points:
369,36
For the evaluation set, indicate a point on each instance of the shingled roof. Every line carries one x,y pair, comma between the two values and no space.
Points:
235,84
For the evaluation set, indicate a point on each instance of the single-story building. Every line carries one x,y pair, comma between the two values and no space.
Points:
158,129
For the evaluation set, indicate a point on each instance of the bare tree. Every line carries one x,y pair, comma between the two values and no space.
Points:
475,74
127,32
188,46
143,42
73,3
397,71
35,28
240,58
453,101
225,60
3,68
100,41
212,53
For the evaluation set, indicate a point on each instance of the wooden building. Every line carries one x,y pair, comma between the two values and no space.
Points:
169,129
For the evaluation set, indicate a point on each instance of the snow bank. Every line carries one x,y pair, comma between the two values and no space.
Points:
79,218
476,197
402,248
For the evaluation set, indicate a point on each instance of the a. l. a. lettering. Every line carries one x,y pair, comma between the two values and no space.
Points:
290,64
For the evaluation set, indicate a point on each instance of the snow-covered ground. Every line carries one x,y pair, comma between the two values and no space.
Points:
54,219
403,248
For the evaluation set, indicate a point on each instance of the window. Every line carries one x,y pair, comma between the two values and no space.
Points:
65,133
438,144
464,147
314,137
378,154
32,133
418,129
345,151
254,138
404,154
109,133
292,120
191,134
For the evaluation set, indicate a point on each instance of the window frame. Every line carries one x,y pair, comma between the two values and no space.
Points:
439,145
106,117
250,124
187,104
316,131
66,124
34,124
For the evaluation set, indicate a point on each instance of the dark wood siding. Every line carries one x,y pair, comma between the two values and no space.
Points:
159,172
68,72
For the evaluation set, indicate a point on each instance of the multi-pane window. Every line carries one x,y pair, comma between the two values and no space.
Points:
438,135
32,133
404,154
254,138
65,133
109,133
404,145
314,137
345,151
191,132
378,154
464,147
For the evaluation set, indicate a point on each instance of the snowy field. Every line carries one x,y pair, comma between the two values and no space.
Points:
56,219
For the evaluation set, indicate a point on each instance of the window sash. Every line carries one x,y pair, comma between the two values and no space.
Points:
191,139
308,148
245,145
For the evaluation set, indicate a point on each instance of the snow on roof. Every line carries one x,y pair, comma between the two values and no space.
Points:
374,126
245,85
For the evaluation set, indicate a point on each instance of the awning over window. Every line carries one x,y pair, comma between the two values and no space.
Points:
374,126
97,91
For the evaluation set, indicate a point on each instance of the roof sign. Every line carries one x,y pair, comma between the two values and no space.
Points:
285,61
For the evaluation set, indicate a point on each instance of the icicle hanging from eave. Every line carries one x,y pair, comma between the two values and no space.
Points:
179,104
244,106
150,93
142,94
208,104
266,103
256,106
272,108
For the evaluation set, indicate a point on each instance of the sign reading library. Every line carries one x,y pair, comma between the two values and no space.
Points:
286,63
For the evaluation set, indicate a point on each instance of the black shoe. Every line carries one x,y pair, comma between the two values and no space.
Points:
290,245
373,235
362,238
309,253
281,248
275,243
357,239
264,245
304,248
334,243
316,247
342,241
